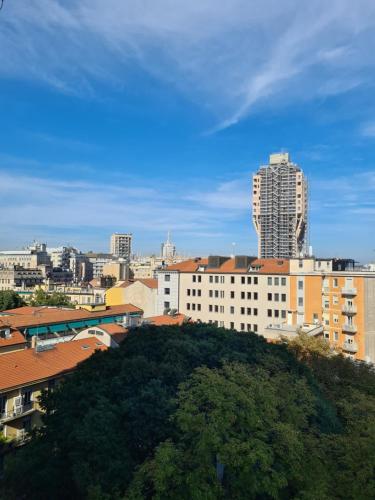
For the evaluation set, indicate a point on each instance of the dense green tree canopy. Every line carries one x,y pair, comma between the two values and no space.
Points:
42,298
10,300
198,412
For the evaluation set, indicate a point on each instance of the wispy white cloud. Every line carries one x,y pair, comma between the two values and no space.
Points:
230,57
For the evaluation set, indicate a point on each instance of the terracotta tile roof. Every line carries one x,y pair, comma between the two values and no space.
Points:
15,338
124,284
28,366
113,328
261,266
50,315
188,266
150,282
166,319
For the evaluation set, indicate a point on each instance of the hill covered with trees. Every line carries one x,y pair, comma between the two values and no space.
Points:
199,412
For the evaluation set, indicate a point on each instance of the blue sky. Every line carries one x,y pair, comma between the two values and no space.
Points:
146,116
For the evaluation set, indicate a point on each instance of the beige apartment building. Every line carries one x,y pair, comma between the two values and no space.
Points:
274,297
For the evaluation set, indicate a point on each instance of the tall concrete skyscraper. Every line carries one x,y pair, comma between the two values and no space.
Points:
280,208
121,245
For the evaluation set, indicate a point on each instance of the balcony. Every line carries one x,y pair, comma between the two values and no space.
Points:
349,310
17,411
325,289
349,328
22,437
349,291
350,347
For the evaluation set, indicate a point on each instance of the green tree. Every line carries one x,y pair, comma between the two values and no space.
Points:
43,298
10,299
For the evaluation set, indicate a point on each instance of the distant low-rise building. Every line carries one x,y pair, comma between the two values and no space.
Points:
19,279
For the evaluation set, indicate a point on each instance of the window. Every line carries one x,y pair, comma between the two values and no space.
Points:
221,309
300,301
269,280
249,280
193,307
248,327
193,291
210,293
255,311
277,314
222,279
283,297
276,281
210,308
277,297
335,336
242,295
216,293
26,397
248,295
199,307
199,293
194,278
3,402
326,335
232,309
269,313
167,291
232,279
167,305
255,296
221,294
232,295
231,325
167,277
211,279
335,319
326,304
243,280
242,326
300,263
269,296
255,328
283,281
255,280
216,309
221,324
248,311
188,306
283,314
216,279
335,300
199,279
335,282
300,285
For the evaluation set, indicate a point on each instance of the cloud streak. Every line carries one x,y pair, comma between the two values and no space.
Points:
229,57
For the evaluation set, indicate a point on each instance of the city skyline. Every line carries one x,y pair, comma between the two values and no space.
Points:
149,137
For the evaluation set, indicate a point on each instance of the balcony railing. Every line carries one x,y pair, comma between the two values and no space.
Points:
349,310
350,346
349,328
17,411
348,291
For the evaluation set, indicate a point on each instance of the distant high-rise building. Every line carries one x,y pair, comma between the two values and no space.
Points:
121,244
168,249
280,208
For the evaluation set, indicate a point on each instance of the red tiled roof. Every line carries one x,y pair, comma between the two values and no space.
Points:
166,319
15,338
150,282
112,328
28,366
188,266
50,315
265,266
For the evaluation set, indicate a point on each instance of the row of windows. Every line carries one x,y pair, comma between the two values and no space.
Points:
276,313
243,327
276,281
193,307
276,297
194,292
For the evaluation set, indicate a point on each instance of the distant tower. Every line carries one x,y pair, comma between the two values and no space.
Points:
168,249
121,245
280,208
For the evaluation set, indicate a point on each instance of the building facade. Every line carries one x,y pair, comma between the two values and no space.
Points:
17,278
274,297
280,208
121,245
142,293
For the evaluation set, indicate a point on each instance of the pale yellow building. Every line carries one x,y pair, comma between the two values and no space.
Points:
141,293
